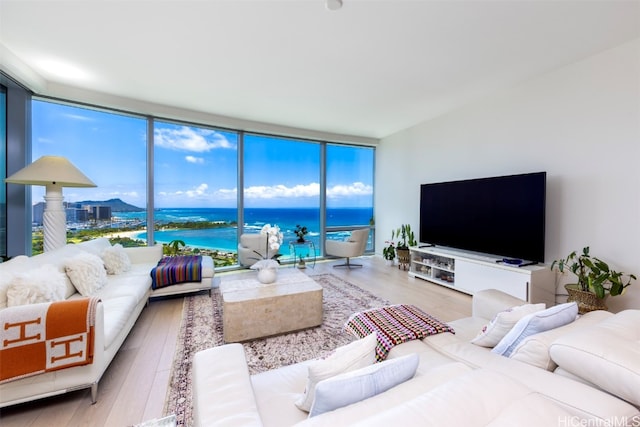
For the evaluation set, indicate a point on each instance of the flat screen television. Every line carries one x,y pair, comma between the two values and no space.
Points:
503,216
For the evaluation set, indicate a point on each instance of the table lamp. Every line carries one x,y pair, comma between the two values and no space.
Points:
54,172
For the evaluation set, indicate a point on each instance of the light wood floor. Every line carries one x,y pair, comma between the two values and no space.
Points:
133,388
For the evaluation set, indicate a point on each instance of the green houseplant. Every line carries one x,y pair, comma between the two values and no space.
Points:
173,247
389,251
407,238
300,232
596,280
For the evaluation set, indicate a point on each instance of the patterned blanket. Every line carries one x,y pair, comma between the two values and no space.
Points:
176,269
45,337
394,325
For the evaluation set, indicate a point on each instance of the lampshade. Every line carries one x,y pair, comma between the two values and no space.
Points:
49,170
54,172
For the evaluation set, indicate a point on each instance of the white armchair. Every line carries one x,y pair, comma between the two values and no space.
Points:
352,246
249,245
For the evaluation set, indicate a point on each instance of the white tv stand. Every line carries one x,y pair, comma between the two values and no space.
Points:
470,272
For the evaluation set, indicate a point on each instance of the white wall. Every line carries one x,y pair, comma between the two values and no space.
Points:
580,124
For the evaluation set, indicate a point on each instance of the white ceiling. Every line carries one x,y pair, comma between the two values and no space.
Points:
369,69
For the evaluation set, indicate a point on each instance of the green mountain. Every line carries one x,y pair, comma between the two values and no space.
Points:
117,205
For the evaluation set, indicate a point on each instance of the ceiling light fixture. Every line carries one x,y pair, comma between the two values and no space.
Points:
333,4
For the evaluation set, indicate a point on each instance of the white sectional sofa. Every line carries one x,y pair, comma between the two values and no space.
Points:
584,373
122,299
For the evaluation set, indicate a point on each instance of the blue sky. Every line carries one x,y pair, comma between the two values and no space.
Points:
194,166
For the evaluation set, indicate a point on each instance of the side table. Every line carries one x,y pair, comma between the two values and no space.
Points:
303,250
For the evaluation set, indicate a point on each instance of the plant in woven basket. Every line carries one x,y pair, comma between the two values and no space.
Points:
407,238
594,275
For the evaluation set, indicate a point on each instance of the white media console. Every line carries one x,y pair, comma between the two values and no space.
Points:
470,272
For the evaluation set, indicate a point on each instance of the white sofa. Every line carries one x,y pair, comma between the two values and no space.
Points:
456,383
123,298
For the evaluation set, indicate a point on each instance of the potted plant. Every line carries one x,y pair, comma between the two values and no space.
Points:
596,280
302,263
389,252
402,248
300,232
173,247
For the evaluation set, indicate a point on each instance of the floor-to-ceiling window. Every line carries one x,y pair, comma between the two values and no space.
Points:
349,190
282,186
195,178
111,150
190,175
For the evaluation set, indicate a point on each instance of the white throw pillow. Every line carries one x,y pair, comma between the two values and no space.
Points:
115,259
8,271
363,383
86,272
502,323
350,357
534,349
534,323
44,284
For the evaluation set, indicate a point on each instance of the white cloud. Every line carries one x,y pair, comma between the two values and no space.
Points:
265,192
354,189
196,160
189,139
282,191
198,192
226,194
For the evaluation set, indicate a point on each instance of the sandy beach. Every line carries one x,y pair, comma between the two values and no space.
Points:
130,234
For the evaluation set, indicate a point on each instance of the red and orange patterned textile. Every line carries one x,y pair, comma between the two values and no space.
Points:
172,270
46,337
394,325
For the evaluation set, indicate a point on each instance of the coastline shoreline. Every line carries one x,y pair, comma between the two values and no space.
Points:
135,235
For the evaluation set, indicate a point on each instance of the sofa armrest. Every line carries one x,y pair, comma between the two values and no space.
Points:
144,254
222,390
489,302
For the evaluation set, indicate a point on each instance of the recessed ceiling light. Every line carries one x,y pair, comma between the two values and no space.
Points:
333,4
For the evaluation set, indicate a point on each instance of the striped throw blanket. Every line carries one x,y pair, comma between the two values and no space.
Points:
45,337
394,325
176,269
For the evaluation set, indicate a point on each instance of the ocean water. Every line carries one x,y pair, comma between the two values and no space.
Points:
225,238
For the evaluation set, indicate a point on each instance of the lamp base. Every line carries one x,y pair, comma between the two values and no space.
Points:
54,219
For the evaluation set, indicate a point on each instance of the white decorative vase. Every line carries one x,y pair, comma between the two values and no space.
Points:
267,275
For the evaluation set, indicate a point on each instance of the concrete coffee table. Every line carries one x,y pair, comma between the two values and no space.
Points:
251,309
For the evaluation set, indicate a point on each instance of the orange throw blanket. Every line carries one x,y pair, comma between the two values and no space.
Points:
46,337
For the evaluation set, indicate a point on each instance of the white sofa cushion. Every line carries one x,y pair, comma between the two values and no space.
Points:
8,271
534,349
535,323
58,258
95,246
118,311
86,272
44,284
352,356
351,387
222,393
502,323
606,354
478,398
116,260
